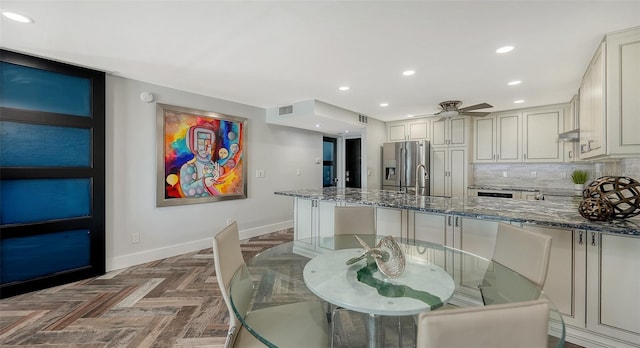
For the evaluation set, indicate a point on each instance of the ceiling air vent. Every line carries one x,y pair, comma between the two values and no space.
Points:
362,119
285,110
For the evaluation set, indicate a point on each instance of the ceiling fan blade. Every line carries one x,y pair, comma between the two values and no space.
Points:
476,107
478,114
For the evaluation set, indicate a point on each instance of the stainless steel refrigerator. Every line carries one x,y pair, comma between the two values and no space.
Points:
401,165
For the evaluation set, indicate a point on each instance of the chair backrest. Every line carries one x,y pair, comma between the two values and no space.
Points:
519,324
228,259
354,219
524,251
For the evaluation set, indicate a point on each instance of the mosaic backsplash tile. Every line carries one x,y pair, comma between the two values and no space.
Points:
549,176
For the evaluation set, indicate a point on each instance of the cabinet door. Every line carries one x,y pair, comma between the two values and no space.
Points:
397,132
508,142
613,285
623,93
304,216
325,218
418,130
458,131
439,172
540,136
592,112
389,222
440,136
485,137
458,172
429,227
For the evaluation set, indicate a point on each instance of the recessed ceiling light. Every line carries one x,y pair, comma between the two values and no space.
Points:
519,101
346,131
504,49
513,83
408,72
317,126
17,17
410,115
384,104
344,88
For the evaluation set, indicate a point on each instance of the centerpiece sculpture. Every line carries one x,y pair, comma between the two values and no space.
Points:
387,254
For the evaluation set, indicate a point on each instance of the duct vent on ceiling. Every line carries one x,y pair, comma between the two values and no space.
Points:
285,110
363,119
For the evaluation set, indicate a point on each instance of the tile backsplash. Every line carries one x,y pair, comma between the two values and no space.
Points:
554,176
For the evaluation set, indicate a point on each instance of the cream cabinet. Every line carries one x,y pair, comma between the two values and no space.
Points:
451,131
540,129
497,138
613,285
313,218
610,98
408,130
450,172
571,119
525,135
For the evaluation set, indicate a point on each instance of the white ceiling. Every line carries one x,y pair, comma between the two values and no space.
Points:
269,53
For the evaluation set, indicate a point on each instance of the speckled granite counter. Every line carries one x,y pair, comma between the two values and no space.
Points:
548,213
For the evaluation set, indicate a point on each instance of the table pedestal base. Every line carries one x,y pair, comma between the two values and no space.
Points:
375,331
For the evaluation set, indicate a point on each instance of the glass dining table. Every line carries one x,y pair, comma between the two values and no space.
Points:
435,277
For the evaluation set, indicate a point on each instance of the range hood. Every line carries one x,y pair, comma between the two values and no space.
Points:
570,136
318,116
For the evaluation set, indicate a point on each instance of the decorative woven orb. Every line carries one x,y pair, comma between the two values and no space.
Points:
595,209
622,193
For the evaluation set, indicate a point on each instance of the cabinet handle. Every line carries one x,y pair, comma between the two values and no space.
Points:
525,156
570,154
582,148
580,238
449,221
457,225
493,157
593,238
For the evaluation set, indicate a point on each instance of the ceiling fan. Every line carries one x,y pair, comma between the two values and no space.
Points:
450,109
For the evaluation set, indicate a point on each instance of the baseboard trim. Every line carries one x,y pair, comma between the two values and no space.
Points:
138,258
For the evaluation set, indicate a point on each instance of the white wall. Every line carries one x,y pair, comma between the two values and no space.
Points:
167,231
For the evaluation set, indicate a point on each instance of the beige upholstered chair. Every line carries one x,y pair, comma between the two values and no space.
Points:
354,219
523,251
513,325
526,252
296,325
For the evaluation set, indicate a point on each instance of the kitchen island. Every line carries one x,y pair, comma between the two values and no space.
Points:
561,213
594,271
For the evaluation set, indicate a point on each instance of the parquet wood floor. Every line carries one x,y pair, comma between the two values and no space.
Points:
173,302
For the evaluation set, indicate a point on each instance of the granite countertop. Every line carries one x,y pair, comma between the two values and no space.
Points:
563,213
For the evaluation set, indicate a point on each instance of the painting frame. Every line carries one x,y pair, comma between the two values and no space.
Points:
201,156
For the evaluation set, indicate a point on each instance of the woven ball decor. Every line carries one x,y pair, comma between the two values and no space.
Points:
620,192
595,209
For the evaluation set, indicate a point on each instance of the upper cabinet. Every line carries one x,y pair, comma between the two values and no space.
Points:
610,98
540,131
497,138
408,130
528,135
451,131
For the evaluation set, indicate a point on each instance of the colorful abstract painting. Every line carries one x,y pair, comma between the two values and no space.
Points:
201,156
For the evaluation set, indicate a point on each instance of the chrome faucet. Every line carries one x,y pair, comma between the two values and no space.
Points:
426,174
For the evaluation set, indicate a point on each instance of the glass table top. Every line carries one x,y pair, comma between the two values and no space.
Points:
314,269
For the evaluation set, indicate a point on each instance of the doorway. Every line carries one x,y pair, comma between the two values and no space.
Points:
329,162
353,163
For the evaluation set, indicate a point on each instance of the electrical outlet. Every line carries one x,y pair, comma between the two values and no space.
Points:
260,173
298,172
135,237
534,174
563,175
504,174
229,222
